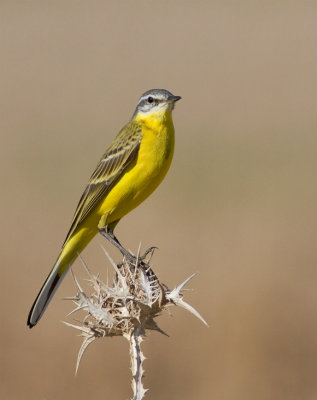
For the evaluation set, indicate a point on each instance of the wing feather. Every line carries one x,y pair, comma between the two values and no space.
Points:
123,150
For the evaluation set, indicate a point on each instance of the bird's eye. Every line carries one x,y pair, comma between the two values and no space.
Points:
150,99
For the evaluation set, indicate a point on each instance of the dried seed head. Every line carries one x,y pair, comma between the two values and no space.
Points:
126,307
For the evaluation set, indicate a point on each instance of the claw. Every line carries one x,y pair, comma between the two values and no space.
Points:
148,251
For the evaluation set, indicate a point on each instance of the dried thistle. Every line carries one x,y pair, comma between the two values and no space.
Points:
126,308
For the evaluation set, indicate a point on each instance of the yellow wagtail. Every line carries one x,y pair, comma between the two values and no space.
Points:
129,171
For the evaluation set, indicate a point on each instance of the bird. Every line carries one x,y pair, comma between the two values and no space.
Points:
131,168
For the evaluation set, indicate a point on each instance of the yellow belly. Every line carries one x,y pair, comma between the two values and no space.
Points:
144,175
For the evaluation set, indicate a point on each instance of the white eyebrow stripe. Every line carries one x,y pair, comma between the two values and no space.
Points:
155,97
144,98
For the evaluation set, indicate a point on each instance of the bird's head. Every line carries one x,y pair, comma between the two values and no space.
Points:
155,101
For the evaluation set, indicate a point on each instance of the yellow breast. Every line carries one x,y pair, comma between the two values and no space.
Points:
146,172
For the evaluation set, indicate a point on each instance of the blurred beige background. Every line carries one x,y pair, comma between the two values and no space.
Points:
238,206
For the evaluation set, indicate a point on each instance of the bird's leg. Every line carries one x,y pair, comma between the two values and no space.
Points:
107,232
112,239
109,235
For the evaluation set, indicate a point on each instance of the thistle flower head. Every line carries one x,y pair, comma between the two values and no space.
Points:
127,307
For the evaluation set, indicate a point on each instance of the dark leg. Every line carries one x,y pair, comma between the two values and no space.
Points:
108,234
112,239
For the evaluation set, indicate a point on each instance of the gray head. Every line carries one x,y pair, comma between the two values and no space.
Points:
155,100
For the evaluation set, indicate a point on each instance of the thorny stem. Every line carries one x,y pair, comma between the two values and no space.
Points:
137,359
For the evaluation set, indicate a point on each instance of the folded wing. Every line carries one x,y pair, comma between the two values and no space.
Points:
113,164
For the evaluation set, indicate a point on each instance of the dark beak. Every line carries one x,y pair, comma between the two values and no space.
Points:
173,98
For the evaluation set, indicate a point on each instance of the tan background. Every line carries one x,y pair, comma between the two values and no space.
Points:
238,206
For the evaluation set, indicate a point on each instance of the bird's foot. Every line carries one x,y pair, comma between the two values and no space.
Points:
135,260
